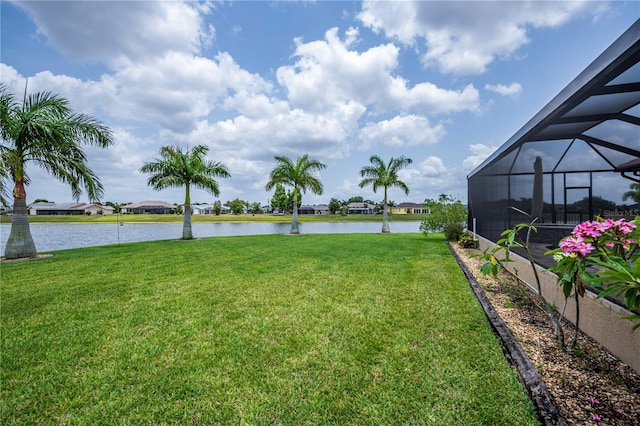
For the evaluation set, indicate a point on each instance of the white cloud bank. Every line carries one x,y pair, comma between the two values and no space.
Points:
464,37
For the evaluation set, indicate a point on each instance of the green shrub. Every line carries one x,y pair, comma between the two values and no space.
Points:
466,240
442,211
453,231
425,228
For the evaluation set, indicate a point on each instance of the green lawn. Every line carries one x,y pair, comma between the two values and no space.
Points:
348,329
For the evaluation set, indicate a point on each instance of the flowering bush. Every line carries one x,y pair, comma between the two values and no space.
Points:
604,254
519,237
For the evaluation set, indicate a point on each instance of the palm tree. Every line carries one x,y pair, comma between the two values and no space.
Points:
177,169
633,193
300,176
384,175
43,130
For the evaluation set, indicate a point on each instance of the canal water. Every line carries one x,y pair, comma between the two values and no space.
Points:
61,236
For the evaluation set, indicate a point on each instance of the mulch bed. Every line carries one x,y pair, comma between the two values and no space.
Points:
590,386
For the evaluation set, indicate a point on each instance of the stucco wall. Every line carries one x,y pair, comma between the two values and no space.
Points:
600,319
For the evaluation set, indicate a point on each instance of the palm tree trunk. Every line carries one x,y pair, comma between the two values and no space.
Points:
295,229
20,243
385,215
187,234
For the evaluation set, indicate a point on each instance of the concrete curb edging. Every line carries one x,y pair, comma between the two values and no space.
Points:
547,410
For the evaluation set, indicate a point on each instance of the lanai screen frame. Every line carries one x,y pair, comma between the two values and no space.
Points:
588,142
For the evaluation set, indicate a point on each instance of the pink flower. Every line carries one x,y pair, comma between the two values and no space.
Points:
619,226
595,229
576,245
595,417
589,229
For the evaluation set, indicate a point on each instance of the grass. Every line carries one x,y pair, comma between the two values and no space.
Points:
350,329
177,218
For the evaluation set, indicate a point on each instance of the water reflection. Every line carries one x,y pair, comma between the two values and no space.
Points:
60,236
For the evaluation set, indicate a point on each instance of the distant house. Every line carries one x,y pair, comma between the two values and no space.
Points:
98,209
207,209
149,207
321,209
41,209
201,208
316,209
306,210
65,209
409,208
361,208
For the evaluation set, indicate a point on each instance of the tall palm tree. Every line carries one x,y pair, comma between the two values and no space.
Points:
177,169
633,193
379,174
43,130
300,175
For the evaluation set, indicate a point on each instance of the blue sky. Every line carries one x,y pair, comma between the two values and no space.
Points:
443,83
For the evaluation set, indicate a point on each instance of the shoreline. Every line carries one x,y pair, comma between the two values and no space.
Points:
227,218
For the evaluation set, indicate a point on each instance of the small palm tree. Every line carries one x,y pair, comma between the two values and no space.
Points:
177,169
379,174
43,130
300,176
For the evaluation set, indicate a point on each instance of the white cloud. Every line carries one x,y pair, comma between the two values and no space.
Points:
11,77
89,97
119,33
175,90
400,131
514,89
293,132
171,92
464,37
479,153
255,105
432,177
428,98
348,188
326,72
432,167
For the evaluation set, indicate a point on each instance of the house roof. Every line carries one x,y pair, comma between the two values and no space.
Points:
149,204
593,124
315,206
58,206
86,206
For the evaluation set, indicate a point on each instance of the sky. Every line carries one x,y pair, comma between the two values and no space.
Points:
442,83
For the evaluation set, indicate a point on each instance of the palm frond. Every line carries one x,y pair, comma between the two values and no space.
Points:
381,174
181,169
44,130
300,175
